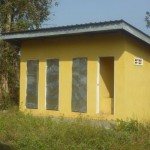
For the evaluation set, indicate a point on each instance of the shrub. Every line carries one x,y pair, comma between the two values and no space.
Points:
20,131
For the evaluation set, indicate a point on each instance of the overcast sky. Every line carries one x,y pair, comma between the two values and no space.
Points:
84,11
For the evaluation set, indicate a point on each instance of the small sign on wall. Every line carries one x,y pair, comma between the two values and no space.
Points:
138,61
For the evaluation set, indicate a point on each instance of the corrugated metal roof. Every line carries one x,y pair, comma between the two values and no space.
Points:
76,29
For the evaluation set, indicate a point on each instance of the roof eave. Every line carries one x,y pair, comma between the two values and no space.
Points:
89,28
137,33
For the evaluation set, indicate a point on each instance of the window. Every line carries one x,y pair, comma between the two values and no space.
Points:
32,84
138,61
52,84
79,85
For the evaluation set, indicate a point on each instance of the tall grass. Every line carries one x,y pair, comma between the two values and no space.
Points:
20,131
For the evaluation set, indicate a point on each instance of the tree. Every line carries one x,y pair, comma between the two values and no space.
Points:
147,19
17,15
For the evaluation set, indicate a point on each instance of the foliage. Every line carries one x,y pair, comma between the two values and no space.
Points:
9,70
128,126
17,15
147,19
25,132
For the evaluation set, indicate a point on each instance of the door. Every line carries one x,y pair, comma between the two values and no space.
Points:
106,87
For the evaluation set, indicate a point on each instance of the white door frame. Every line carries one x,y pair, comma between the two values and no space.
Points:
98,87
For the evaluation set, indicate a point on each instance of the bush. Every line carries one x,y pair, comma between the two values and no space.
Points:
21,131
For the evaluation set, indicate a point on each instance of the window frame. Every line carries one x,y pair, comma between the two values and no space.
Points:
46,83
81,109
37,83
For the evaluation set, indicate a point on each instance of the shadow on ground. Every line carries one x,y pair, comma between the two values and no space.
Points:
5,147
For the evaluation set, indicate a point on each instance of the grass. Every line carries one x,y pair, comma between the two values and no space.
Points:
25,132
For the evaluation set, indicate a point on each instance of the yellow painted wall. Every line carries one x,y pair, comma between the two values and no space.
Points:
137,78
129,101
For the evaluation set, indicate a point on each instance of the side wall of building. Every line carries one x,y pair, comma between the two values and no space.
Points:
137,80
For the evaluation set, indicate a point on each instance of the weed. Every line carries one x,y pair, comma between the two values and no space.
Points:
20,131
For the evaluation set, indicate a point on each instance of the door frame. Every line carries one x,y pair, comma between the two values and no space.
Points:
98,93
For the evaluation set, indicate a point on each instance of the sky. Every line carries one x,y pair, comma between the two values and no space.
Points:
70,12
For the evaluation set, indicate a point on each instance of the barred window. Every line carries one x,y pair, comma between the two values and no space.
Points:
52,84
79,85
32,84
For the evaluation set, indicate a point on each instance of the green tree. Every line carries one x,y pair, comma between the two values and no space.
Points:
17,15
147,19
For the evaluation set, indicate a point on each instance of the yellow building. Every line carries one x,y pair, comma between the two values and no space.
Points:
97,70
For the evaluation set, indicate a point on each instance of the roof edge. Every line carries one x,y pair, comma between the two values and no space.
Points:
76,29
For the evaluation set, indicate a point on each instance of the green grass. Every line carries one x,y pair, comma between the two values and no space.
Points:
25,132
